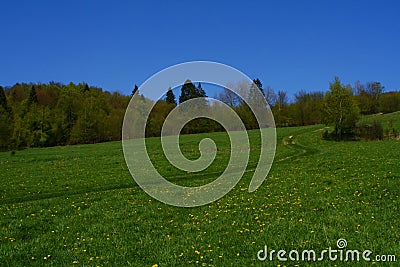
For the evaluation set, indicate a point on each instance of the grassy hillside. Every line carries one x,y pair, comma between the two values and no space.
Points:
388,121
79,205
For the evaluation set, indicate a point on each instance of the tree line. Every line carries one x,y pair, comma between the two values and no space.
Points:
40,115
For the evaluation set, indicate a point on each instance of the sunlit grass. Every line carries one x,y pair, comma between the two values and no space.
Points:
78,205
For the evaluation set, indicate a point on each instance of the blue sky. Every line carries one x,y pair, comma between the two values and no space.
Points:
289,45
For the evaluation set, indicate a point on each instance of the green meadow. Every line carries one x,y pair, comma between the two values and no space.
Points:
79,205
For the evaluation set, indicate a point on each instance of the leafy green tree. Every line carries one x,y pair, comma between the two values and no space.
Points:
368,96
252,99
308,108
87,128
281,109
66,111
5,121
362,98
157,117
301,101
374,89
57,114
389,102
340,108
19,133
113,123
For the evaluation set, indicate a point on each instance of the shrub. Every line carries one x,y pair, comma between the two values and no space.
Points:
325,135
372,131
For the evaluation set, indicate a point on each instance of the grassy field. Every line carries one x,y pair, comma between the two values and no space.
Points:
388,121
78,205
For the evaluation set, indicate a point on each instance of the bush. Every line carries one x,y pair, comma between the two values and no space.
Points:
372,131
325,135
393,134
346,135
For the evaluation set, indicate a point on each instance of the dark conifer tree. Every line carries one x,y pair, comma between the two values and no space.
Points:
170,97
33,95
188,91
3,99
135,89
200,91
86,88
258,83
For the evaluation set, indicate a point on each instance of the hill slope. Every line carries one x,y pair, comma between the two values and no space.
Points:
79,204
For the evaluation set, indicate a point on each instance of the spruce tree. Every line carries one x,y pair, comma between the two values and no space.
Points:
86,89
3,99
200,91
258,83
135,89
170,97
33,95
188,91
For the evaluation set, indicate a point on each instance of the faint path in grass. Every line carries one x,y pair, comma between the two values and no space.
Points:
301,150
56,194
294,141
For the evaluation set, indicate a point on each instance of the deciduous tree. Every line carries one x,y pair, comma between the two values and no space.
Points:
340,108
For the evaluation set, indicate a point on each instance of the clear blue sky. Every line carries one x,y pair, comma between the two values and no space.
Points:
289,45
